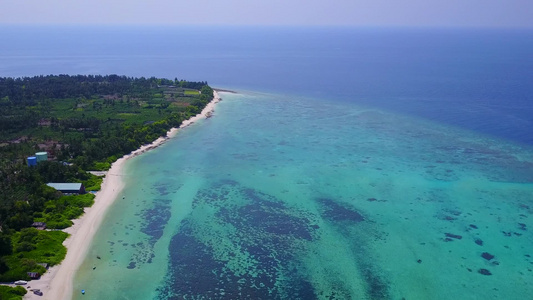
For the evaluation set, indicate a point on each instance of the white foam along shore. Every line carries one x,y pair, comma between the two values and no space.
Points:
57,283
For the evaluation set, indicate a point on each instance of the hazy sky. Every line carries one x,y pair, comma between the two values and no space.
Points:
492,13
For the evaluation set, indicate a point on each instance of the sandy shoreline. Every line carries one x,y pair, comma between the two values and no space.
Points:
57,282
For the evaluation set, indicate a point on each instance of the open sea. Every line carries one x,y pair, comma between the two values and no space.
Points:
352,163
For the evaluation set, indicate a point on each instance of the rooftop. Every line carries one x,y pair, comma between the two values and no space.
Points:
65,186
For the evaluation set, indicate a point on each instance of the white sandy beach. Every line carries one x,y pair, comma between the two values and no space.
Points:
57,283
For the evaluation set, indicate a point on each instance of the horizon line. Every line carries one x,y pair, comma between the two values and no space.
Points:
295,26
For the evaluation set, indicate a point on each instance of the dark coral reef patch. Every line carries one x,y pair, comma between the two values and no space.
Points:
259,255
336,212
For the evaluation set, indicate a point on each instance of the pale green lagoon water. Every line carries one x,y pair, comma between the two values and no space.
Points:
278,197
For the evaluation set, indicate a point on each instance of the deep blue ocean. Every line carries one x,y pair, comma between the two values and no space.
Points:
351,163
471,78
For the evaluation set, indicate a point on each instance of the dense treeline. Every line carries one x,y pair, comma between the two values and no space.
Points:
84,123
30,90
17,94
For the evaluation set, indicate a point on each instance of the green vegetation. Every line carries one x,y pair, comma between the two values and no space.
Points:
84,123
191,92
9,293
31,247
58,213
93,183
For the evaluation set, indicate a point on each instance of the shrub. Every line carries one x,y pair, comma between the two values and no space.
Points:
11,293
24,247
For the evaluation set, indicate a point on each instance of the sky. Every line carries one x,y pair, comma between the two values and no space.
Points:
432,13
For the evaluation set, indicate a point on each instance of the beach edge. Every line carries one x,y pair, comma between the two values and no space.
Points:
57,282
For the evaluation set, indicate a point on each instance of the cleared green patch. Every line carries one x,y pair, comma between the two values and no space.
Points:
191,92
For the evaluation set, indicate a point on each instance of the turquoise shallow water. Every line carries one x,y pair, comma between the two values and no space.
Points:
285,197
280,197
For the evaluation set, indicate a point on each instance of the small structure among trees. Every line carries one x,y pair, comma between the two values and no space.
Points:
34,275
44,265
39,225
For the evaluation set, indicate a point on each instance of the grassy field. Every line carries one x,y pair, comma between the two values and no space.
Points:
191,92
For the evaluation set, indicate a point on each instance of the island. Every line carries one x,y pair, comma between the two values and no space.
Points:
59,135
